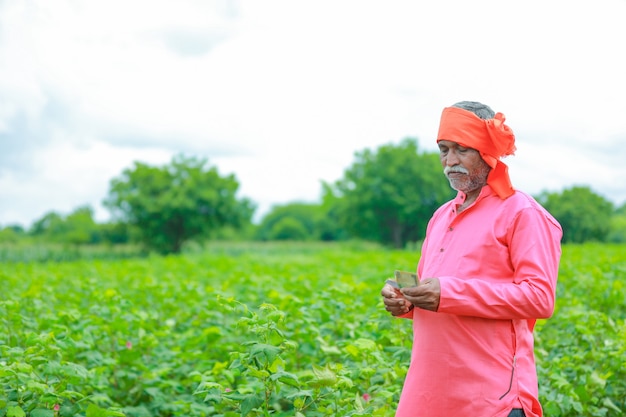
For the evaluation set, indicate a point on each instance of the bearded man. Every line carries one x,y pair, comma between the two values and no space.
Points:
488,270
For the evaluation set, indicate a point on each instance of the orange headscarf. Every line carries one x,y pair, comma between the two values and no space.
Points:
491,137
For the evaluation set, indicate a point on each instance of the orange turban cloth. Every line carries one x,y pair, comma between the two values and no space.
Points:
491,137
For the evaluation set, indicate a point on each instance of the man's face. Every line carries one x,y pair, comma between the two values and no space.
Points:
463,167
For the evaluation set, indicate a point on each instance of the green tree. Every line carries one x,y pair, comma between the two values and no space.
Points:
289,228
11,234
618,225
51,225
583,214
175,203
76,228
295,221
330,225
114,232
81,228
390,194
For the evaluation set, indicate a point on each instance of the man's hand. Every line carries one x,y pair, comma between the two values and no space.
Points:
425,296
395,303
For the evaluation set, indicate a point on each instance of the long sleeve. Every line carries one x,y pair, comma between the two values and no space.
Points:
533,242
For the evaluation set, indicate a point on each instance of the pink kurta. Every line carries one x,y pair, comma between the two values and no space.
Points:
497,262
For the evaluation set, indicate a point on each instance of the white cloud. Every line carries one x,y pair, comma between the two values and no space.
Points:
282,93
67,177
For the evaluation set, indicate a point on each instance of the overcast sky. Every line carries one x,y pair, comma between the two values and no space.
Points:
283,93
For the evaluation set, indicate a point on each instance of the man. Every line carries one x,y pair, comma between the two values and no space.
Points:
488,271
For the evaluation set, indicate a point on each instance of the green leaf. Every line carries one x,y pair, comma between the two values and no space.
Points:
324,377
358,402
212,394
286,378
15,411
610,404
352,350
260,349
301,393
366,345
598,380
258,373
41,412
235,396
95,411
330,350
249,403
37,387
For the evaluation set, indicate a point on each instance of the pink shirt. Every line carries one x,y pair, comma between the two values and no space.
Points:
497,262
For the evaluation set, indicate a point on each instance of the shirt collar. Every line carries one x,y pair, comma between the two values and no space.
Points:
485,192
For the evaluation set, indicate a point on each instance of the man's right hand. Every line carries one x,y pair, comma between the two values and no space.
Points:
394,301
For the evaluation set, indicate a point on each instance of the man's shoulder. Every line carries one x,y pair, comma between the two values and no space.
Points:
510,206
521,201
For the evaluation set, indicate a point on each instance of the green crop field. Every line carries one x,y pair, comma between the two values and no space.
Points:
269,329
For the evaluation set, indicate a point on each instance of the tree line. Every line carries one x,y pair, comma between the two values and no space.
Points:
387,195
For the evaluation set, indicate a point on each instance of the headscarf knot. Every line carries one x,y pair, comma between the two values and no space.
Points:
502,137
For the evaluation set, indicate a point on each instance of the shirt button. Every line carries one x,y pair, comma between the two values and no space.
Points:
441,250
450,229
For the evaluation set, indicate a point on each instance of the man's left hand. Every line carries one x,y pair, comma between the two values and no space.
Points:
426,295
